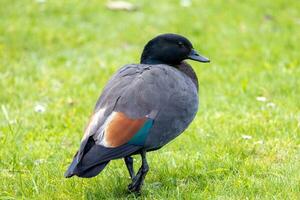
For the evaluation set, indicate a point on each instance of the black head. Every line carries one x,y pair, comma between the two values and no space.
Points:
169,49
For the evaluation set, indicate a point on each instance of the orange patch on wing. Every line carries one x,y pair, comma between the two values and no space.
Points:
121,129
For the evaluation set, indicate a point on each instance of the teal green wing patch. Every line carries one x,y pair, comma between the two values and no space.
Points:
140,137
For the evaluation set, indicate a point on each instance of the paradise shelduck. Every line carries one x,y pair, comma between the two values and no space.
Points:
143,107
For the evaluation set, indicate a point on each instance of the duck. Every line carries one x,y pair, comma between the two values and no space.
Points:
142,108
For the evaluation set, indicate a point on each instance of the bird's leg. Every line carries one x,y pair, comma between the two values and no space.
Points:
129,164
138,180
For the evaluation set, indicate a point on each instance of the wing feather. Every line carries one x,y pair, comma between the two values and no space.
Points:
121,129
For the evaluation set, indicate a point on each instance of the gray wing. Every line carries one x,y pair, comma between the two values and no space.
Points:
141,90
136,90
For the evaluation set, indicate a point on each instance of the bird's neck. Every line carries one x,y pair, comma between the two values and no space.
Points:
187,69
184,67
150,61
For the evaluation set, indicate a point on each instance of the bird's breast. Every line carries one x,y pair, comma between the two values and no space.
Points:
177,112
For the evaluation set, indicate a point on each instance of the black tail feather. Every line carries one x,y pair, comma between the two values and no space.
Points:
92,159
93,171
88,173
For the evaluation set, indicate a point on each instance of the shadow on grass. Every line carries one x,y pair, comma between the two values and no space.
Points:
162,183
115,193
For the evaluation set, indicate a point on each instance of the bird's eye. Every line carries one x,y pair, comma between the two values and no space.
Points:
180,44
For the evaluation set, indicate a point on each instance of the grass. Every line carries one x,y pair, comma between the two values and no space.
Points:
60,55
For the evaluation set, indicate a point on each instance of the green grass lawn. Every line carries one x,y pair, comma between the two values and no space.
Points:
60,54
